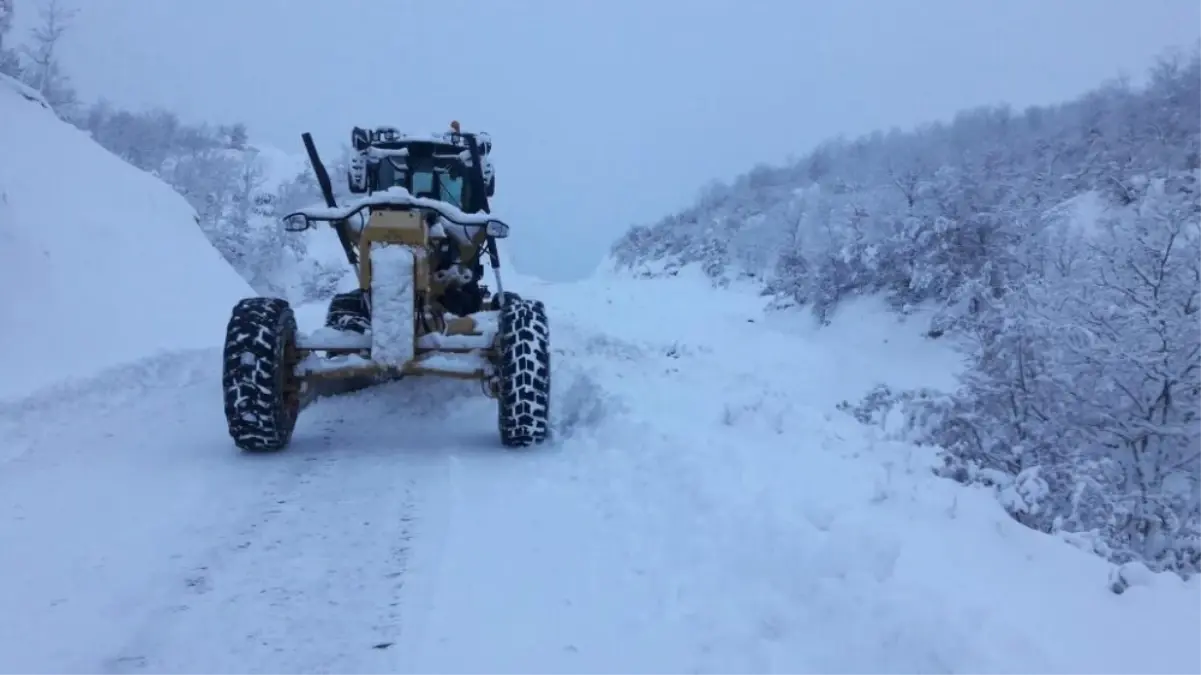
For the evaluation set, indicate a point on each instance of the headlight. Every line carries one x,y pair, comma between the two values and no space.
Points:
497,229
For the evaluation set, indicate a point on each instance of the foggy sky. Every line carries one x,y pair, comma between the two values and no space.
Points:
605,113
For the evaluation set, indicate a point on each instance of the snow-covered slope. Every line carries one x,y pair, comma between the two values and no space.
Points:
279,166
704,508
100,263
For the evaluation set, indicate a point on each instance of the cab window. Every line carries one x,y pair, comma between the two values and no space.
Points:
451,188
390,175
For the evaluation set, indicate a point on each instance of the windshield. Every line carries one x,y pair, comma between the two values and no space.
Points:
421,182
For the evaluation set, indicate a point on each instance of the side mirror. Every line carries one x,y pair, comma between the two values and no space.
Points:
296,222
497,230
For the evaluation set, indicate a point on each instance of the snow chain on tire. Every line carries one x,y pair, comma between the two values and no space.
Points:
262,398
524,377
348,311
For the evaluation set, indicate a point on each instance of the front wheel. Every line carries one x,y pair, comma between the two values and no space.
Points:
262,392
524,377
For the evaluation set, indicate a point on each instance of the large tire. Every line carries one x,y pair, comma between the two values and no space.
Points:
524,365
262,393
348,311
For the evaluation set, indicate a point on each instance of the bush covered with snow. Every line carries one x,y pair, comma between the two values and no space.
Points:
1061,246
239,191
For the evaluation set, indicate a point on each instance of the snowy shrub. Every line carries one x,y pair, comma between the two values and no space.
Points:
224,179
1083,395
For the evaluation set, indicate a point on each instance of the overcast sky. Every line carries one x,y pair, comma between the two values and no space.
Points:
606,113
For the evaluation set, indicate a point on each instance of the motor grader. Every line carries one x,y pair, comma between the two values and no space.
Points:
416,238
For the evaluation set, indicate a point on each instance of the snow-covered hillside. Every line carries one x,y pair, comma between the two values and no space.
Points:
279,166
1061,246
100,263
703,508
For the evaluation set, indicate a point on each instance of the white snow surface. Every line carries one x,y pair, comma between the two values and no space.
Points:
24,91
326,337
316,363
702,508
487,322
466,362
279,166
393,313
100,263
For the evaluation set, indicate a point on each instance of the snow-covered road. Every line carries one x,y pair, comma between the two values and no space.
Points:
703,509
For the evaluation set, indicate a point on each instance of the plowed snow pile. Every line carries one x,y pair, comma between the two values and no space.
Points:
100,263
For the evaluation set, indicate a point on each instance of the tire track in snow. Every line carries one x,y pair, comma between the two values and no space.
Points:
674,533
318,581
117,482
544,568
137,538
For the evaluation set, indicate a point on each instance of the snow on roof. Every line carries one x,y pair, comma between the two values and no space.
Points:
398,196
378,152
435,137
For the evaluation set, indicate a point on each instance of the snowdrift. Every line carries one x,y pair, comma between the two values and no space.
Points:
100,263
806,541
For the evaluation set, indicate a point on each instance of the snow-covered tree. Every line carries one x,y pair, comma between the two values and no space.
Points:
43,71
6,19
1137,367
10,63
1059,244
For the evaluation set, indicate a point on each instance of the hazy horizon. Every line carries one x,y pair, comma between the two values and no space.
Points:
605,115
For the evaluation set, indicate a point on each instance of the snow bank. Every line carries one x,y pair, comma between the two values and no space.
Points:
801,540
100,263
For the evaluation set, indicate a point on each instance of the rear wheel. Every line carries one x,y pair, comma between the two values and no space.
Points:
348,311
262,392
524,378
